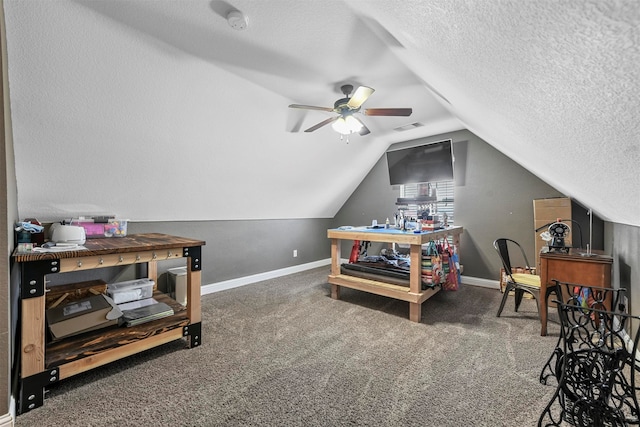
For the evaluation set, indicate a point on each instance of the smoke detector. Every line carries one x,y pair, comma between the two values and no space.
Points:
237,20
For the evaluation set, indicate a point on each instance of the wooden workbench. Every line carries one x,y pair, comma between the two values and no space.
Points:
414,294
43,363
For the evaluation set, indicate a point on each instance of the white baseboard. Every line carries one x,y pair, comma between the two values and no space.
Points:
247,280
477,281
6,420
241,281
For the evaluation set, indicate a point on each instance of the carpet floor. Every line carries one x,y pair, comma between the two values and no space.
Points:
283,353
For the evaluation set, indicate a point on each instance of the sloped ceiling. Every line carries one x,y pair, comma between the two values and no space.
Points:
161,111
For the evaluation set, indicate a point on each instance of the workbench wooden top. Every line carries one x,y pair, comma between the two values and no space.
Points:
112,245
392,235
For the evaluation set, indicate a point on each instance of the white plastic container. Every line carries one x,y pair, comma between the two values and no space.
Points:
130,290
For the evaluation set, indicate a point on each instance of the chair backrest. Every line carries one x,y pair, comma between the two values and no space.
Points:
501,245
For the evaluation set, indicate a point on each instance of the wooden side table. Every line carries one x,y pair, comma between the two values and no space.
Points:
594,270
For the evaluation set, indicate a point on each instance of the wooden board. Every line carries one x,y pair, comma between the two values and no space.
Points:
382,288
74,291
116,245
32,334
392,235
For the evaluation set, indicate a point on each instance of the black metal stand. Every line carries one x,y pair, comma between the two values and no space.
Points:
574,294
595,369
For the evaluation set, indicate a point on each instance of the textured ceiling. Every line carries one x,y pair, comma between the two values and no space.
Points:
159,110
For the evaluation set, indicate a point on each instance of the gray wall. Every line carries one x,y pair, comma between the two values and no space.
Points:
623,242
493,198
237,249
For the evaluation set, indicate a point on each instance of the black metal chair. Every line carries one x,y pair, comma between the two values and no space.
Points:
580,295
596,373
519,283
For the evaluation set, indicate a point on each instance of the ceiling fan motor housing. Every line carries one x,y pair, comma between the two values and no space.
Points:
341,107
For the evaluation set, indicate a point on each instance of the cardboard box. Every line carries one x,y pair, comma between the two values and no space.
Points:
80,316
546,211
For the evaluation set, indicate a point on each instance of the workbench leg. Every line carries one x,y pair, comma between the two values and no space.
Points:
193,333
32,389
335,291
415,312
335,257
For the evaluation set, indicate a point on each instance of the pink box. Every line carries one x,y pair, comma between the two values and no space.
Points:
113,228
91,229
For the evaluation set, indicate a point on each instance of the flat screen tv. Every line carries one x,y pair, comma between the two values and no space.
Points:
423,163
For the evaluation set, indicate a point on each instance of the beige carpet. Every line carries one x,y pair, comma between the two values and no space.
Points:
283,353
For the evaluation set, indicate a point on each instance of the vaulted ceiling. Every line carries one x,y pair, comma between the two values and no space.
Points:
160,110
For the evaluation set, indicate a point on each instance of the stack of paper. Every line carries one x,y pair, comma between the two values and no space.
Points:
143,311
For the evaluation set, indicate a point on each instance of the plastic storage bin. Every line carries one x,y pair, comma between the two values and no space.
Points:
112,228
116,228
130,290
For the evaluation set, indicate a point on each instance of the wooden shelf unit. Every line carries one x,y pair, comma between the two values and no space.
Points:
43,363
414,294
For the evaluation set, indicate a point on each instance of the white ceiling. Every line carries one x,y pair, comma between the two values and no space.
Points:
159,110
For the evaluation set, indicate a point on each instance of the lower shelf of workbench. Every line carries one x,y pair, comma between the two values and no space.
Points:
382,288
80,353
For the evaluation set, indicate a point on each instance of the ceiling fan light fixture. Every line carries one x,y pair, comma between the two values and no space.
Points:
347,125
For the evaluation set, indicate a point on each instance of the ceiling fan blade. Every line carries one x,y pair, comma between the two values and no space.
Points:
388,111
310,107
322,123
361,94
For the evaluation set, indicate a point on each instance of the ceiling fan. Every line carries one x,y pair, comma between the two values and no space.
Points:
345,122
